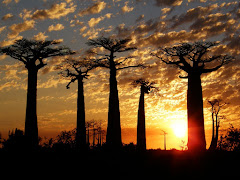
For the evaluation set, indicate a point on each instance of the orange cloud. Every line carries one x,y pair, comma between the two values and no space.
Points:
2,29
9,42
126,8
55,12
57,27
94,21
40,36
21,27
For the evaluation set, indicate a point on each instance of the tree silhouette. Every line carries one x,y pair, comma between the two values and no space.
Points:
231,141
77,70
109,61
32,53
146,87
216,106
195,59
15,142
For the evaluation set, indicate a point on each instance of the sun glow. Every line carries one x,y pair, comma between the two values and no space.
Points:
179,129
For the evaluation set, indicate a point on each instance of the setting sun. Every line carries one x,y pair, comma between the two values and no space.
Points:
179,129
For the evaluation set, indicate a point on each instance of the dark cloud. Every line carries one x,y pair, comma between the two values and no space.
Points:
162,39
168,2
7,16
192,15
94,9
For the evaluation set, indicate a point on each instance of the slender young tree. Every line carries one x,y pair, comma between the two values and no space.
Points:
216,106
32,53
141,130
113,46
77,70
195,59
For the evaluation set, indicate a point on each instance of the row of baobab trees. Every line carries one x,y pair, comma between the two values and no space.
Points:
194,59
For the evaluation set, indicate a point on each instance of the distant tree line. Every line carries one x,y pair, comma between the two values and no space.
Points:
194,59
65,141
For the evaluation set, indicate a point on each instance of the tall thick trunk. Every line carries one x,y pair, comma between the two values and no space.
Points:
31,127
113,139
81,128
196,134
141,132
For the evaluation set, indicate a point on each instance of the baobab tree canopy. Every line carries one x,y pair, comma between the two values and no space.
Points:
32,52
111,44
195,57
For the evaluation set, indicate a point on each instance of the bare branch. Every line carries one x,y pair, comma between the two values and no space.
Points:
72,81
225,59
124,60
178,63
127,49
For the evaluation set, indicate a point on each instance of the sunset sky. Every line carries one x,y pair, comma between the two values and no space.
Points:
150,24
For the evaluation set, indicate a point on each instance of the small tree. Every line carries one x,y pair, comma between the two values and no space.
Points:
216,106
32,53
231,141
77,70
15,142
146,88
195,60
113,46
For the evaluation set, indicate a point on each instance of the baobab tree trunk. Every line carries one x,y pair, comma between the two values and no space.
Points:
141,134
196,134
81,128
31,127
113,139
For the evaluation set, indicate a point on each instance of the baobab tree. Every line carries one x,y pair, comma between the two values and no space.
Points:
216,106
33,54
109,60
146,88
77,70
195,59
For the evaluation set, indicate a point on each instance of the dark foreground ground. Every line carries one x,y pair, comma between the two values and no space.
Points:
154,164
